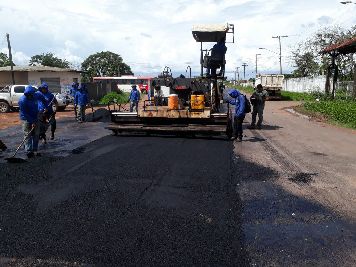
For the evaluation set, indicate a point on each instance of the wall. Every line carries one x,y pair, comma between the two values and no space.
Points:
5,78
66,78
306,84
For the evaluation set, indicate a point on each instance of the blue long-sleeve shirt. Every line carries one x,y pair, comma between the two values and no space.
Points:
81,98
238,100
28,109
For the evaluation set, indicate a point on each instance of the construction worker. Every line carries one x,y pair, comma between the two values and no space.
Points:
217,55
134,98
258,100
81,101
46,100
73,89
29,116
238,100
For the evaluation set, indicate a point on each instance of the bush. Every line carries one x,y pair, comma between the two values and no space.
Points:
119,98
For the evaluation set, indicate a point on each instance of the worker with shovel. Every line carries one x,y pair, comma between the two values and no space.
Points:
45,107
29,117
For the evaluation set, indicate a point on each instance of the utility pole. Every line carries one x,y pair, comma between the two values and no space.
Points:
10,58
256,63
280,50
244,65
238,74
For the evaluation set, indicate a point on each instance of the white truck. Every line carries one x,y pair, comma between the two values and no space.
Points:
272,83
10,96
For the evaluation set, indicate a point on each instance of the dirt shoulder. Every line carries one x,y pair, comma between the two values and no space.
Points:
12,118
298,187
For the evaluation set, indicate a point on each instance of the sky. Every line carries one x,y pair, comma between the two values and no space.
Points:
152,34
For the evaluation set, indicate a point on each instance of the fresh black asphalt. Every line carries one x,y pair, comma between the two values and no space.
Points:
126,200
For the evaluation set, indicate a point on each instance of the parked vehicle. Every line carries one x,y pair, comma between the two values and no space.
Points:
272,83
10,96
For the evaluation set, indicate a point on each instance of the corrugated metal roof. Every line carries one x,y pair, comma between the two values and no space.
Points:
345,47
37,69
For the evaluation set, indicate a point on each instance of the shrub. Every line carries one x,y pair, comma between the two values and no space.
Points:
119,98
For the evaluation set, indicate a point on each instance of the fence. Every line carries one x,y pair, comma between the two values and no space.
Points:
316,84
305,84
97,90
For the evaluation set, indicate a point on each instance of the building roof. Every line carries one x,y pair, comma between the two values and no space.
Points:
345,47
37,69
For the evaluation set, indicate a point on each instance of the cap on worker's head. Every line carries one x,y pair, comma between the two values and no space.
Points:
29,90
234,93
259,86
133,86
44,85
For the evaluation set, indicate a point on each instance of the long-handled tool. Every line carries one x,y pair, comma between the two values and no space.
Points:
12,159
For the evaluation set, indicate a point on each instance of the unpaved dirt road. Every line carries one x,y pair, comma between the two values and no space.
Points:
299,200
285,196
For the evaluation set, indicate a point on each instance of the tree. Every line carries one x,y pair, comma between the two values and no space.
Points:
309,60
104,64
4,60
307,66
50,60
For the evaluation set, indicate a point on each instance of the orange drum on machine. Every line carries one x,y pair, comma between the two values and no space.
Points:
173,101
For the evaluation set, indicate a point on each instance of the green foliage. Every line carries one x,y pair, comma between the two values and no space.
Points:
119,98
339,111
295,96
4,60
49,60
247,89
104,64
309,60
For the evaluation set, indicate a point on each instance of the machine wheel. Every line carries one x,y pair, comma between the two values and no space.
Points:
4,107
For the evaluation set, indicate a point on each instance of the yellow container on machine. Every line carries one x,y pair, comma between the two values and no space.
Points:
197,101
173,101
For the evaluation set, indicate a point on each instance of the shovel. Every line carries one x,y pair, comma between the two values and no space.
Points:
12,159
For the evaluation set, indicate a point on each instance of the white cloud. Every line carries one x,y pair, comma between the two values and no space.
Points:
157,33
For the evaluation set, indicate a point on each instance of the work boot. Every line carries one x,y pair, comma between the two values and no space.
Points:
251,126
3,147
239,139
259,127
52,135
37,154
30,155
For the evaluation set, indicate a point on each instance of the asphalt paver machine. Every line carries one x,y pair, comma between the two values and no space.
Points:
190,105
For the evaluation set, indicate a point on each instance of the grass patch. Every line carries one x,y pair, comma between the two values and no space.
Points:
294,96
339,111
247,89
118,98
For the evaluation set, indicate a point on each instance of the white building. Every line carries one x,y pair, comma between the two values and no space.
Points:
57,78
